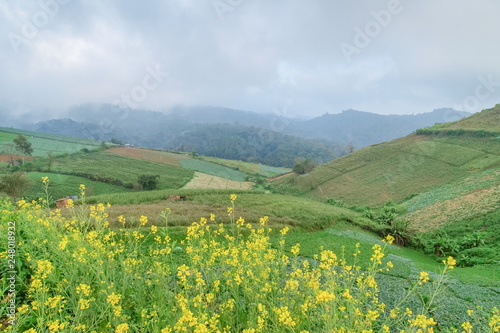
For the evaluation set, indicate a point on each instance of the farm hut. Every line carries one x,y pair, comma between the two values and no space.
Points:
62,203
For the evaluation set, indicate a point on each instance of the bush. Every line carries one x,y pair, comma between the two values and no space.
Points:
303,166
15,184
148,182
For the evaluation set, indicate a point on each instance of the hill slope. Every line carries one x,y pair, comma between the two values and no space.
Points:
400,168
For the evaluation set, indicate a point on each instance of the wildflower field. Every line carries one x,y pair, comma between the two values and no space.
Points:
76,274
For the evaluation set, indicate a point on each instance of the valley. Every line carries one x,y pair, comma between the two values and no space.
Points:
436,192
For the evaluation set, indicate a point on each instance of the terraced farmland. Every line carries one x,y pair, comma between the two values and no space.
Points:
247,167
62,186
156,156
397,169
213,169
44,143
112,168
204,181
50,136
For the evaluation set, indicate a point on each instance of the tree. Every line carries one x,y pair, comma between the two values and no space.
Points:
15,184
350,148
50,160
303,166
148,182
23,145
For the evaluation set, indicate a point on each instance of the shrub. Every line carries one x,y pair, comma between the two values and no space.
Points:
148,182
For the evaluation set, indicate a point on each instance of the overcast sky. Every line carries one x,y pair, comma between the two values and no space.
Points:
301,58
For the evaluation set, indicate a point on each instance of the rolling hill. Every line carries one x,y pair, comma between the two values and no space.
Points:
426,169
105,168
395,170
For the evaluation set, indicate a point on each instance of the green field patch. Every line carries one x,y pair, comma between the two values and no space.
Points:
455,189
56,137
213,169
5,136
118,170
156,156
61,186
44,143
42,147
270,171
247,167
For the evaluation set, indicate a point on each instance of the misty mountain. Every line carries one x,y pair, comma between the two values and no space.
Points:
254,144
194,129
365,128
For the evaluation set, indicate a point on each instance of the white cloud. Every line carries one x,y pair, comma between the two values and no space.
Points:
263,55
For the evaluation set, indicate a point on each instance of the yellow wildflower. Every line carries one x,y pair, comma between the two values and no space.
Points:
451,262
55,326
122,328
83,289
467,327
424,277
389,239
113,298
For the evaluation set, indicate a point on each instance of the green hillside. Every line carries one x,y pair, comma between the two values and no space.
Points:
44,143
119,170
57,137
395,170
482,124
488,120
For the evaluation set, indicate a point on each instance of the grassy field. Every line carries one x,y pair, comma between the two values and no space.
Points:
126,170
214,169
283,210
62,186
247,167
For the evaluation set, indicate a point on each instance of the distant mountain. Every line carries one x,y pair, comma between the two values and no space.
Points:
254,144
178,127
363,128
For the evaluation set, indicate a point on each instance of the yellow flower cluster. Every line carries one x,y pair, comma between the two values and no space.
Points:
218,279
